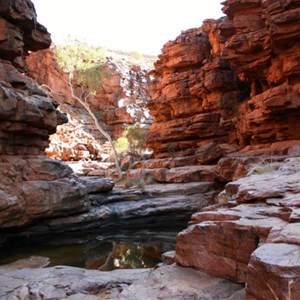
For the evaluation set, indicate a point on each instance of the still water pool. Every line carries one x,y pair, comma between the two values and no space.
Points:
114,250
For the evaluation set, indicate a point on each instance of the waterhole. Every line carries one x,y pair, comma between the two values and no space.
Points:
104,251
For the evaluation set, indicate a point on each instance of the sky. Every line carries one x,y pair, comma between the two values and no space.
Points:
130,25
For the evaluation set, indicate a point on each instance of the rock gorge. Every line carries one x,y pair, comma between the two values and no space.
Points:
232,81
227,94
225,103
32,186
121,102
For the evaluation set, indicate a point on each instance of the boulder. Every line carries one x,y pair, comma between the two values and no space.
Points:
273,272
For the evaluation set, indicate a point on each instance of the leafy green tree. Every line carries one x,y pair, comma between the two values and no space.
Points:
136,136
133,140
83,64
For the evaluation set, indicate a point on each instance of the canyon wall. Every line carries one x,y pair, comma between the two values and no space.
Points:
224,95
118,104
263,49
227,94
32,186
195,95
232,81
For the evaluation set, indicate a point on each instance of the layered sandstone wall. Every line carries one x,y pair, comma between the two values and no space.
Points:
194,96
32,186
234,80
252,234
263,48
27,115
119,103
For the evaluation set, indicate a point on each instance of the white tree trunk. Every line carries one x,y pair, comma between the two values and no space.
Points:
100,129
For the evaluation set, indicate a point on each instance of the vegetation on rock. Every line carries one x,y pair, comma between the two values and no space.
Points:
83,64
133,140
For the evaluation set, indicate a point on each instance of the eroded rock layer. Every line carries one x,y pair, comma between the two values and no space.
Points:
195,94
252,235
119,103
228,94
61,282
234,80
32,186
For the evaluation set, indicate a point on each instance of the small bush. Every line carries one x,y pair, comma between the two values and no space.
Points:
139,182
122,144
136,136
133,141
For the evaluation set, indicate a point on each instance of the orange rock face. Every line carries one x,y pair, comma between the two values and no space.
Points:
241,72
193,94
120,102
265,55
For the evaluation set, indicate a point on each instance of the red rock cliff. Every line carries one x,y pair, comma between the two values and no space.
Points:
32,186
121,102
263,49
234,80
252,235
195,93
27,115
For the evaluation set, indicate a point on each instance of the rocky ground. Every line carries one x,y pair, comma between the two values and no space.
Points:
165,282
225,140
231,241
252,236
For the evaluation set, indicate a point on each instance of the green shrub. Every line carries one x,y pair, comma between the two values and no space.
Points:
136,136
122,144
133,140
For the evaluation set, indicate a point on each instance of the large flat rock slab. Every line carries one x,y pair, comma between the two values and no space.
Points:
62,282
274,272
252,235
174,282
36,187
281,183
220,239
153,205
166,282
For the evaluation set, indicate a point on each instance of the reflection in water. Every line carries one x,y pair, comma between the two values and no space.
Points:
126,250
124,255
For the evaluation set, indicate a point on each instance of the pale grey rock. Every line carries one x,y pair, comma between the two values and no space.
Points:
174,282
62,282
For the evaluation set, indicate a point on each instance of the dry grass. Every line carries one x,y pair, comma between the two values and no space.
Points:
289,295
261,167
139,182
